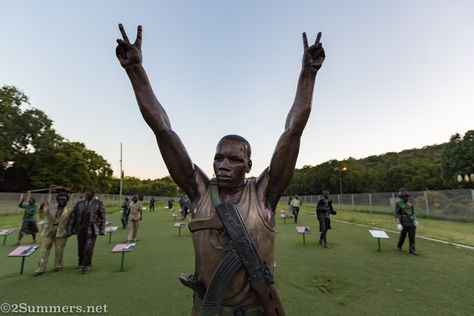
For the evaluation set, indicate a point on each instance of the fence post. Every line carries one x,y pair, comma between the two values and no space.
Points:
472,193
339,199
370,202
352,197
427,204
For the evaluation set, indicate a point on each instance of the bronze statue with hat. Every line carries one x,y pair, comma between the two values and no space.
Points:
406,220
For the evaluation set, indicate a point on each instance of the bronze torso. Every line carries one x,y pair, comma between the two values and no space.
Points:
210,245
88,215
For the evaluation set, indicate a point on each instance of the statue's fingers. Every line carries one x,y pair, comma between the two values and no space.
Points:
124,35
305,41
318,38
138,41
120,50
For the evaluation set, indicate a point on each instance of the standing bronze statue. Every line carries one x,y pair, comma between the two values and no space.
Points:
87,221
233,218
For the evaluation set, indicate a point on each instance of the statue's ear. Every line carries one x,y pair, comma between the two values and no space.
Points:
249,166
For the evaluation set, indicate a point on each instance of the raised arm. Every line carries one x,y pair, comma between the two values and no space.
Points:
176,158
284,157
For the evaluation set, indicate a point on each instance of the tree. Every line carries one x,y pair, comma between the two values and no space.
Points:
458,159
22,133
33,155
71,165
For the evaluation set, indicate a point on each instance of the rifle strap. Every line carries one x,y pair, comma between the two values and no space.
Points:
216,199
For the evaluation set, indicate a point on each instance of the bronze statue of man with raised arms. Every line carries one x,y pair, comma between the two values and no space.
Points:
233,218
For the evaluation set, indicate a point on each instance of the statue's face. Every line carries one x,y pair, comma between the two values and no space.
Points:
231,163
31,201
88,195
62,201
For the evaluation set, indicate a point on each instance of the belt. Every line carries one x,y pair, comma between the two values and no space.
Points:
227,311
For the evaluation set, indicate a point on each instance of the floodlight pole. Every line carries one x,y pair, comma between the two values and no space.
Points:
121,175
339,170
340,181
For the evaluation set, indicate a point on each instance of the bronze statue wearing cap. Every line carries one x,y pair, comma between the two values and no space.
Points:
406,220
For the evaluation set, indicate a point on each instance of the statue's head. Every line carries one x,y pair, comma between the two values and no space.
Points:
89,194
232,161
326,193
31,201
135,198
404,194
62,199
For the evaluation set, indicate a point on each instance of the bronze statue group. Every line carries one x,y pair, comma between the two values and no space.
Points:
404,215
86,220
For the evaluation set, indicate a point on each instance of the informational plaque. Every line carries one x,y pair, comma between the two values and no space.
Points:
179,225
23,252
110,230
123,248
379,234
303,230
5,233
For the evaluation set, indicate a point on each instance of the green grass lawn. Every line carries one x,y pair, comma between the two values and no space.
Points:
350,278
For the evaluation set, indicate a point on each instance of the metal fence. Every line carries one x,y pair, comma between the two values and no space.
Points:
446,204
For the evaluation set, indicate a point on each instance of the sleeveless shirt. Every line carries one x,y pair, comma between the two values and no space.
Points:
209,245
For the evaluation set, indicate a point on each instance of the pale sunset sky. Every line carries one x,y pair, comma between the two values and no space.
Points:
397,75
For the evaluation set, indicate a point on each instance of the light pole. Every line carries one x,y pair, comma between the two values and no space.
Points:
340,170
121,176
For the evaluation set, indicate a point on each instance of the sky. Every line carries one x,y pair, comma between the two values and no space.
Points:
397,75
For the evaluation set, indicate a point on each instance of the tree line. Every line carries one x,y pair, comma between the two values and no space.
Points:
434,167
158,187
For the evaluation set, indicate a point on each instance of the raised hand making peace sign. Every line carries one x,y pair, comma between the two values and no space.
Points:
313,55
129,54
